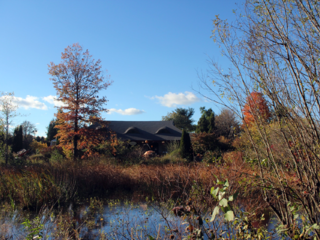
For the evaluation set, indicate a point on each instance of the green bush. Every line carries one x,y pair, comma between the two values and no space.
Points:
212,157
172,146
185,146
175,153
56,156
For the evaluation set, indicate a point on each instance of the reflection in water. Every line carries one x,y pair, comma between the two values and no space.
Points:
115,221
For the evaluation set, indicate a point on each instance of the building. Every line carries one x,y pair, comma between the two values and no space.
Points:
150,134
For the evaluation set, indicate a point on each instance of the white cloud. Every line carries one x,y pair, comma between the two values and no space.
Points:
128,111
26,103
53,100
173,99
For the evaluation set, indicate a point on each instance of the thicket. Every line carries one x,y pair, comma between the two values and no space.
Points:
273,47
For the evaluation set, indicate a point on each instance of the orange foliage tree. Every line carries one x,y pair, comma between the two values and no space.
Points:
256,107
78,79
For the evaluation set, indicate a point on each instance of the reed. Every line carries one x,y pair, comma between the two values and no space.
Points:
36,185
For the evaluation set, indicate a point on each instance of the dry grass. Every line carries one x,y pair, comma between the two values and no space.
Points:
38,184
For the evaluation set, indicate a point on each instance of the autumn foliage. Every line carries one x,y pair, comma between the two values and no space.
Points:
256,108
78,79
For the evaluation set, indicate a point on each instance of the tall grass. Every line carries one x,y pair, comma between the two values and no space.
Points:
36,185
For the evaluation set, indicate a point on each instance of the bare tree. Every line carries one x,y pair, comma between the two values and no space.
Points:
8,111
227,124
274,48
28,129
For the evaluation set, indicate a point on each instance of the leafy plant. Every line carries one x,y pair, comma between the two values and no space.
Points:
34,228
218,194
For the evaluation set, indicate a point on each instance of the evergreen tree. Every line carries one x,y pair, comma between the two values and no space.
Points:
17,139
185,146
182,118
211,121
206,122
202,125
52,131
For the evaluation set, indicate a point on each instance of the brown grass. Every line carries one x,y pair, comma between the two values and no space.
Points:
39,184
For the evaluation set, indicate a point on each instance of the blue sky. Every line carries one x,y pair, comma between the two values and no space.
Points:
151,49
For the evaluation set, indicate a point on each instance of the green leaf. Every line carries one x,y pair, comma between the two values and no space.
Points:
215,212
215,192
235,196
226,209
223,202
151,238
212,191
226,184
229,216
221,194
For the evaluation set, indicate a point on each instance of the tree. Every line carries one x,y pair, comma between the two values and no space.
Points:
2,138
202,125
52,130
29,129
273,47
255,108
8,110
17,139
78,80
227,124
181,118
185,146
206,122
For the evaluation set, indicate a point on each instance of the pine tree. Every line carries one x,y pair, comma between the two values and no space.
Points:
211,121
52,131
206,122
202,125
17,139
185,146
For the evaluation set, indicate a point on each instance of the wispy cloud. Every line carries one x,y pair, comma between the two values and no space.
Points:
128,111
26,103
53,100
173,99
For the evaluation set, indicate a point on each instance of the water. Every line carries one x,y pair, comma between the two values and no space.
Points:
112,221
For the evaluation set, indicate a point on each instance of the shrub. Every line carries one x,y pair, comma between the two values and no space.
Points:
212,157
37,146
56,156
48,151
172,146
202,142
186,150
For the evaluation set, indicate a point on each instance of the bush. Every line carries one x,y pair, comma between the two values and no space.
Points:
186,150
37,146
48,151
175,153
212,157
172,146
56,156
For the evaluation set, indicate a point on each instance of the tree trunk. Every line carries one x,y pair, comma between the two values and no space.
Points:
75,137
7,133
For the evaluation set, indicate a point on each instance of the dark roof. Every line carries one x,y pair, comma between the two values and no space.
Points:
143,130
